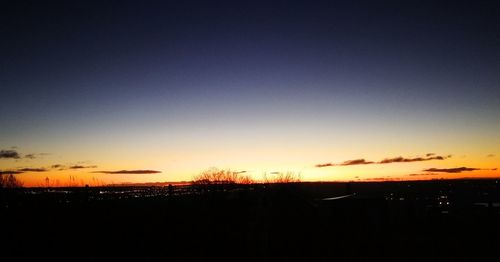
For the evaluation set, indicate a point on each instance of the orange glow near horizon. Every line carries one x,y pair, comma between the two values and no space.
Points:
189,155
181,172
258,145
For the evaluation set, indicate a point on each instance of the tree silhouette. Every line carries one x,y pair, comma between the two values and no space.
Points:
9,181
215,176
282,178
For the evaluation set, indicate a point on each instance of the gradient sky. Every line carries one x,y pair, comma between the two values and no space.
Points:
179,87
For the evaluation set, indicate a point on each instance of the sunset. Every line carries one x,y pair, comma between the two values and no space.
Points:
97,96
182,87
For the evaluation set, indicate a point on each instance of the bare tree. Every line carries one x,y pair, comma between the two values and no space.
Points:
215,176
245,180
282,178
9,181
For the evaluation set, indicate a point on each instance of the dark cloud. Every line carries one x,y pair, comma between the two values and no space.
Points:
30,169
324,165
381,179
393,160
33,156
75,166
360,161
416,159
240,172
352,162
452,170
81,167
9,172
12,153
275,173
424,174
138,172
30,156
399,159
9,154
490,155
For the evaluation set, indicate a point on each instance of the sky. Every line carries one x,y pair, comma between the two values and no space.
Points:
143,91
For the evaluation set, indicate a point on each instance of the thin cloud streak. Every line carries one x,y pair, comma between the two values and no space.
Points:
137,172
67,167
408,160
324,165
81,167
456,169
399,159
33,155
30,169
10,172
30,156
360,161
424,174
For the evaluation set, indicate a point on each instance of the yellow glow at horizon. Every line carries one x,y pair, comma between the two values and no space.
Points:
180,160
188,166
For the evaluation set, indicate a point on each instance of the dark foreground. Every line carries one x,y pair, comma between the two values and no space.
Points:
418,221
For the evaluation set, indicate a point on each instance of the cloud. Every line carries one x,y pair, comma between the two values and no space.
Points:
352,162
30,156
138,172
81,167
324,165
490,155
382,179
12,153
453,170
399,159
9,172
240,172
75,166
360,161
33,156
9,154
30,169
424,174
